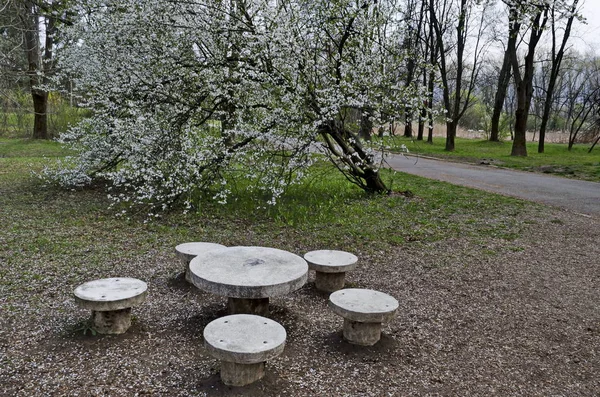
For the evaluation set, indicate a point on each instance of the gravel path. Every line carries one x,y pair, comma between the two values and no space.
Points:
578,196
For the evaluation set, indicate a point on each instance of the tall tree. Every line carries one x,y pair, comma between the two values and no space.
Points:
536,12
504,75
458,81
35,20
556,60
433,60
414,20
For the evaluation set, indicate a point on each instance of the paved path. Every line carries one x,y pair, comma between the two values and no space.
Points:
578,196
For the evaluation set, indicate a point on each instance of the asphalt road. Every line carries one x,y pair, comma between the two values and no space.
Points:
578,196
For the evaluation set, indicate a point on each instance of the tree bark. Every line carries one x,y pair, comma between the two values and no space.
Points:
503,81
519,147
450,135
407,122
431,83
421,124
423,115
349,157
40,121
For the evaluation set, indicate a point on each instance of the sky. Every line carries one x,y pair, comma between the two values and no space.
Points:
587,37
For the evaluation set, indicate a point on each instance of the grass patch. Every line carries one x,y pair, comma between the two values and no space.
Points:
27,148
577,163
51,234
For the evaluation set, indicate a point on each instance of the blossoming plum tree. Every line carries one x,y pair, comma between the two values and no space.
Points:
186,95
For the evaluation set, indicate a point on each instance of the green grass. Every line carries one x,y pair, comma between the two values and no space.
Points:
27,148
577,163
325,210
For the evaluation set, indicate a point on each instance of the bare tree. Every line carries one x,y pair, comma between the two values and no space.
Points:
414,29
458,79
536,14
504,75
33,22
556,59
587,99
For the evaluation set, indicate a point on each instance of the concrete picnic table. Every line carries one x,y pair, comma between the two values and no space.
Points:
248,276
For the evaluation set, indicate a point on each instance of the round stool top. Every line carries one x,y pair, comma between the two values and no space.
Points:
248,272
363,305
189,251
244,338
111,293
331,261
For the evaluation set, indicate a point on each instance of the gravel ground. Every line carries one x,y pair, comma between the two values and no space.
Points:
477,317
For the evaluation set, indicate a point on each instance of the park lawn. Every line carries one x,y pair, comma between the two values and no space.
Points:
577,163
30,148
325,208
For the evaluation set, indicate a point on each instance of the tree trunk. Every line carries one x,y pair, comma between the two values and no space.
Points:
457,103
524,82
519,147
450,135
374,183
351,159
431,83
31,43
430,120
421,124
546,114
423,115
40,122
503,81
556,63
407,122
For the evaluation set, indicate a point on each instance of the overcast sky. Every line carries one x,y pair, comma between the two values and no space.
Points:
587,37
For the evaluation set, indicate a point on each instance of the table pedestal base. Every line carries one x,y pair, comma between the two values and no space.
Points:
260,306
364,334
234,374
188,275
111,322
329,282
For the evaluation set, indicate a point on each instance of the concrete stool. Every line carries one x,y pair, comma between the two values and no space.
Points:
331,267
363,311
243,342
188,251
111,300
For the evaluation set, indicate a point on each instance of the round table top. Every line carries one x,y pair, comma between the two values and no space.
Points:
111,293
331,261
363,305
189,250
244,338
248,272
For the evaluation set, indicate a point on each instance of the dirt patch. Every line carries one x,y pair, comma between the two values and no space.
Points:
477,317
